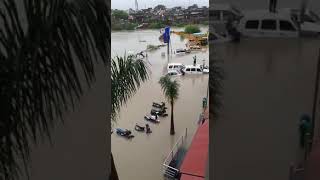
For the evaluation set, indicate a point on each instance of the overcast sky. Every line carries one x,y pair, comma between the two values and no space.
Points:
126,4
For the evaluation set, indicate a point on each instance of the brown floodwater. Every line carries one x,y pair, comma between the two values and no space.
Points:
141,158
269,83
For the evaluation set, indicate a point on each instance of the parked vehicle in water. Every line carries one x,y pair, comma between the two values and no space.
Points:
152,118
158,112
175,66
124,132
175,73
196,69
139,128
159,105
262,23
182,51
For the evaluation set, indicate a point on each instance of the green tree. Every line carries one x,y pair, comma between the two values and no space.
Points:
171,92
190,29
160,7
45,48
119,14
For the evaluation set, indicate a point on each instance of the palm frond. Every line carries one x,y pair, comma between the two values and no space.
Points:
45,47
127,74
170,88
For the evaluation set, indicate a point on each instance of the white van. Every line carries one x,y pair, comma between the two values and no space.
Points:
197,69
263,23
175,66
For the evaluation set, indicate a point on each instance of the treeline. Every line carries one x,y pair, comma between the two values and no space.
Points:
119,21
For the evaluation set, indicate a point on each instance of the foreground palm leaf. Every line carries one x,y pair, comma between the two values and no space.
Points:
127,74
171,92
45,47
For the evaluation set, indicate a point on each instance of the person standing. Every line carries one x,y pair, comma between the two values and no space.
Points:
305,128
194,60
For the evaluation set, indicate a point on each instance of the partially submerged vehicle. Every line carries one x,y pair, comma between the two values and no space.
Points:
175,73
196,69
159,105
158,112
139,128
124,132
152,118
182,51
175,66
262,23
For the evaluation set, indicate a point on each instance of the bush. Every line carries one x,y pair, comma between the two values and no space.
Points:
156,25
190,29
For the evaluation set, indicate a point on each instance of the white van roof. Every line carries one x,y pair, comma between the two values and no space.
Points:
192,66
173,64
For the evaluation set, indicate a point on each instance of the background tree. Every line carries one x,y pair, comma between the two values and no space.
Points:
45,48
119,14
171,92
160,7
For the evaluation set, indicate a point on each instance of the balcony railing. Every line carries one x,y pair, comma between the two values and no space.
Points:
169,166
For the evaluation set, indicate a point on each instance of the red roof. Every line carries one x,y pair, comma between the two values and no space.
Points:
195,161
188,177
313,163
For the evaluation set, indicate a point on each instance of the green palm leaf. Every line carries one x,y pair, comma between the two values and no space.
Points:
127,73
170,90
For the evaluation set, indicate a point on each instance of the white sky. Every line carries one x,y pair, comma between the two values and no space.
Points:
126,4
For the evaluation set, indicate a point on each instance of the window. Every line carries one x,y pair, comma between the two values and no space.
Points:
198,70
170,67
215,15
253,24
176,66
269,24
227,15
193,69
188,69
286,26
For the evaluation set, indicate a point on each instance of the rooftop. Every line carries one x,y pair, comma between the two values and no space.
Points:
195,162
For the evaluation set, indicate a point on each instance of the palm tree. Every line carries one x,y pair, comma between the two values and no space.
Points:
45,48
171,91
127,74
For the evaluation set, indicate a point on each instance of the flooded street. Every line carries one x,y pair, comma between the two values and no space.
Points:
269,83
141,158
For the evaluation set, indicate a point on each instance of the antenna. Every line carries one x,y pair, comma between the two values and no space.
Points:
136,4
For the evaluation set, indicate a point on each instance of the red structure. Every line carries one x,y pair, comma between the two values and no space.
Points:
194,164
313,163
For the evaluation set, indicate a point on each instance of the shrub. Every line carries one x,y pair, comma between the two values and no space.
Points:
190,29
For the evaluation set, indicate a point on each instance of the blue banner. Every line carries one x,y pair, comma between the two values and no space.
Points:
166,35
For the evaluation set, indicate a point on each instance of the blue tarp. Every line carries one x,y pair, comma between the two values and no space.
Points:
166,35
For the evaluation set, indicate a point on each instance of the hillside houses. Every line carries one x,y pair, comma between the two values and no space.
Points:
193,14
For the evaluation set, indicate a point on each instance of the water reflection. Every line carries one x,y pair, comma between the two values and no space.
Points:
269,84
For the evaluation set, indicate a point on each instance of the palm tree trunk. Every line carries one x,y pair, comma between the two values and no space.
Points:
113,174
172,132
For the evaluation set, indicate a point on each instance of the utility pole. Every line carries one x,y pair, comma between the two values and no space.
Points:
315,99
